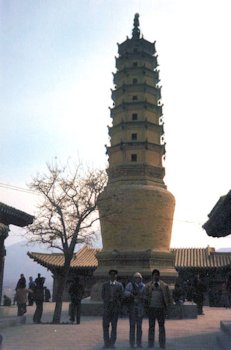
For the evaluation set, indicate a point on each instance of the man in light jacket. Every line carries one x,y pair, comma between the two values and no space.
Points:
135,292
158,299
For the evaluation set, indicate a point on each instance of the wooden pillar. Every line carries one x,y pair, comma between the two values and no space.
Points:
4,229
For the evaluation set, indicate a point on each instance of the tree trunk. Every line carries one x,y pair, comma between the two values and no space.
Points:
59,297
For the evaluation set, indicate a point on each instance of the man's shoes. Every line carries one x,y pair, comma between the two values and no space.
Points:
162,346
139,346
106,347
112,347
150,346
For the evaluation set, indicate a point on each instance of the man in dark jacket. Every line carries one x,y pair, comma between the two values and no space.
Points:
199,288
31,286
21,282
76,292
38,298
112,292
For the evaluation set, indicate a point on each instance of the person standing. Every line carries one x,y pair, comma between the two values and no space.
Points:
21,282
228,289
47,294
158,299
135,292
21,298
31,285
38,298
112,292
178,294
199,288
76,292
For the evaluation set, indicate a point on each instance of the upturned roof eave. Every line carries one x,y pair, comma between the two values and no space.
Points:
12,216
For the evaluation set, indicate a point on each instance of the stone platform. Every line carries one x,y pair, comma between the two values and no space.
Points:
187,310
224,339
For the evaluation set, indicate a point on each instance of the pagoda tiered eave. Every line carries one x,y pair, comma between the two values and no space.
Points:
121,61
136,145
137,124
142,87
139,105
133,45
143,71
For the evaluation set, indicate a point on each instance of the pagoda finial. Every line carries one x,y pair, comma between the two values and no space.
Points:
136,30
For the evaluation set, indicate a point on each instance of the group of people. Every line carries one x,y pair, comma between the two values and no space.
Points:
191,291
153,298
35,293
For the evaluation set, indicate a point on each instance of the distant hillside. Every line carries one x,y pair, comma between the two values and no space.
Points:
17,262
224,250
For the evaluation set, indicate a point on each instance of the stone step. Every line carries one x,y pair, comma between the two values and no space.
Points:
12,321
226,327
224,339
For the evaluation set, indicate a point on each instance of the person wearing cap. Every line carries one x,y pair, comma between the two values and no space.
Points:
135,292
158,299
112,292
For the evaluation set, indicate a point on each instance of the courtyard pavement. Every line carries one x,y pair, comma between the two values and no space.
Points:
194,334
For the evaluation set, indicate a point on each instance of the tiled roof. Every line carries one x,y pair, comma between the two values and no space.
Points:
200,258
185,258
84,258
10,215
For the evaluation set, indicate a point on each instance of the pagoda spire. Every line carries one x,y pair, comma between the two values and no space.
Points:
136,30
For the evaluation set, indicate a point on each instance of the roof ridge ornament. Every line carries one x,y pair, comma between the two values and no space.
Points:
136,30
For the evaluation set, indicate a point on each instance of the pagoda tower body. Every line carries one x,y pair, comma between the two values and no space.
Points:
136,209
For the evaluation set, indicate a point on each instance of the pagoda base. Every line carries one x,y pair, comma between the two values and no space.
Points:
129,262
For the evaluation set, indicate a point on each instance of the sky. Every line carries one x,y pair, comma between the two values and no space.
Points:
56,64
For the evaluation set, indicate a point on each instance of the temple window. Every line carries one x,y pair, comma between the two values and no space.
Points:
134,136
134,116
134,81
134,64
134,98
134,157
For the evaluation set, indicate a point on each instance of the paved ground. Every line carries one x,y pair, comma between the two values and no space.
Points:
195,334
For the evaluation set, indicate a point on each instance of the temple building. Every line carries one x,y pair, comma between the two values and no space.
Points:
189,262
9,216
83,265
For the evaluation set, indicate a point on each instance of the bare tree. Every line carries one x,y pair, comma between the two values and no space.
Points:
66,212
